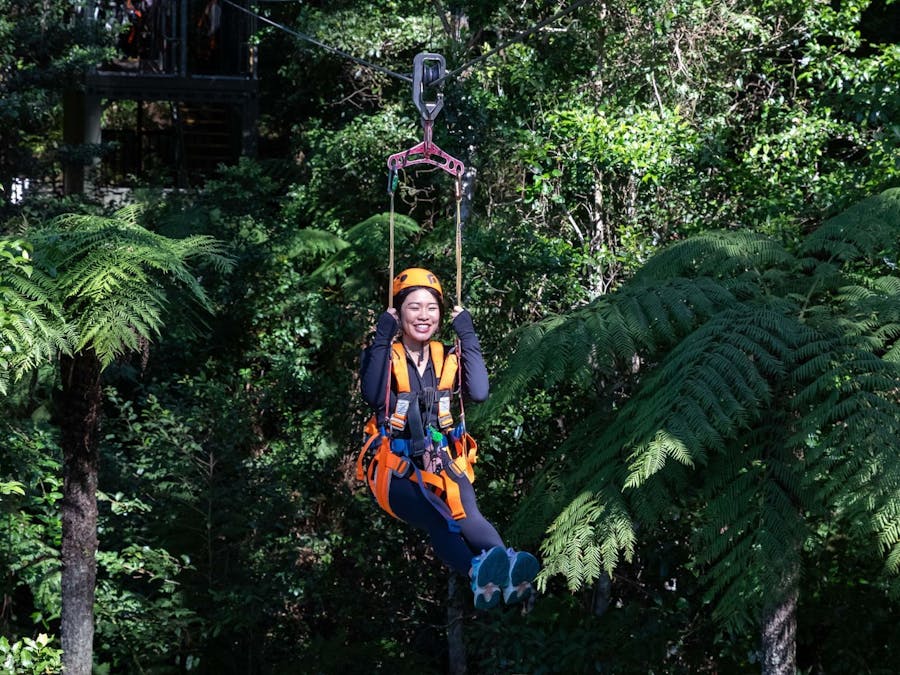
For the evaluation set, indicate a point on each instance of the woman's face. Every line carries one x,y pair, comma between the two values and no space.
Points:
420,315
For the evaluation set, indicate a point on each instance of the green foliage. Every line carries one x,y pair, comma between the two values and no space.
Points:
31,324
12,488
31,528
349,161
719,379
163,486
44,50
110,276
777,388
140,602
35,656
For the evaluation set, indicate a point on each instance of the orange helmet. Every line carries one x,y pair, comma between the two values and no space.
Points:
417,277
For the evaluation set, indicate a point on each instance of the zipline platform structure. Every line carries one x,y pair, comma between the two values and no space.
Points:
195,55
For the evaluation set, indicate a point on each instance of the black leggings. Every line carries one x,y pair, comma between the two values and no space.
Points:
456,549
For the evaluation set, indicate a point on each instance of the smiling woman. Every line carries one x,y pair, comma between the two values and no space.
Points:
417,462
420,316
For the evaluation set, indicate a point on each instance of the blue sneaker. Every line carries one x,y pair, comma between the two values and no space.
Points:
523,568
490,571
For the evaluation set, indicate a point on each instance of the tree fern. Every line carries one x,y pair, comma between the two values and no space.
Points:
98,282
766,401
610,332
364,240
108,281
32,327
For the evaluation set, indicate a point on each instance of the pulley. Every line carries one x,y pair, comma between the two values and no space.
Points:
428,72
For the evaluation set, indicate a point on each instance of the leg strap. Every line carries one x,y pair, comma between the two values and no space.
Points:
383,466
377,465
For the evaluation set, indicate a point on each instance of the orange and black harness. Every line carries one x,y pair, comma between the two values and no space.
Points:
385,456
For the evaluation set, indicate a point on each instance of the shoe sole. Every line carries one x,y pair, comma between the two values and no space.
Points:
524,568
492,570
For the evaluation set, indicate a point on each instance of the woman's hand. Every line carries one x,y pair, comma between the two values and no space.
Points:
387,326
456,311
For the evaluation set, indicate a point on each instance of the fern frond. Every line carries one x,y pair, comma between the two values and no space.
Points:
547,497
111,273
591,535
730,501
130,214
715,381
886,523
707,389
651,457
565,474
751,530
892,562
312,243
847,425
207,249
609,331
860,232
364,241
660,497
718,255
32,326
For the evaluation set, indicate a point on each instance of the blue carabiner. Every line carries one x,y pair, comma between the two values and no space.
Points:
393,179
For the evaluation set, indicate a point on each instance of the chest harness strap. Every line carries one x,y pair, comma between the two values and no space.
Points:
384,457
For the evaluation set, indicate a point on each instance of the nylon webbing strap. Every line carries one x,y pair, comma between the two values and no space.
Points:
387,389
435,501
416,429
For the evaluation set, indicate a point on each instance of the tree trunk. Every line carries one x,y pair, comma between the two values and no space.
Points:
456,647
78,416
779,627
73,135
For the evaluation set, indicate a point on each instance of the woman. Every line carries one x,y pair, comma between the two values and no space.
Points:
417,463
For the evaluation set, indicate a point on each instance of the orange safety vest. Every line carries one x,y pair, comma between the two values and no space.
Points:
378,462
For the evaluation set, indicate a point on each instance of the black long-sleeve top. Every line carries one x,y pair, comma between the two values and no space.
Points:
374,367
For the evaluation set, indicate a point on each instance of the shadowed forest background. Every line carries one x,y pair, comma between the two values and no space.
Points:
680,250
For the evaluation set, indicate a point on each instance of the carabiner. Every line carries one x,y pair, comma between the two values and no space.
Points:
393,180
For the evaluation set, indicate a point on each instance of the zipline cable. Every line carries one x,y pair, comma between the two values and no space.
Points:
322,45
518,37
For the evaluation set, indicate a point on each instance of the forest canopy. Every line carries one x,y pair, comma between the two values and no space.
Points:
680,233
